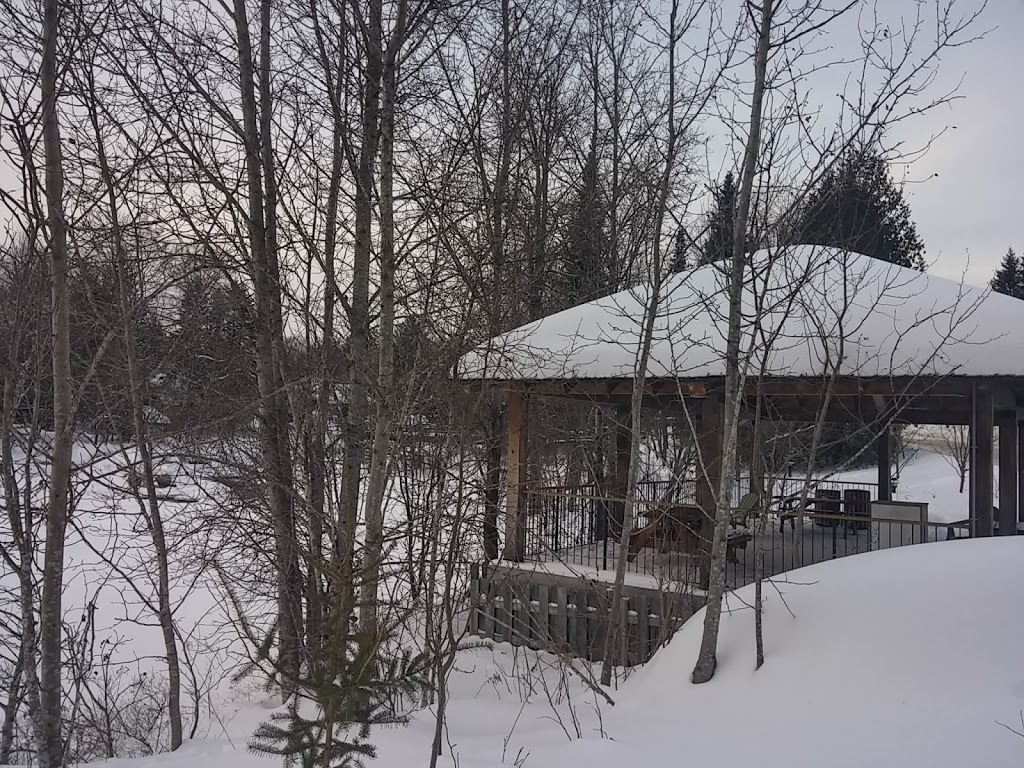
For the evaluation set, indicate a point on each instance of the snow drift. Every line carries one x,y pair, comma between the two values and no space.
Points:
905,657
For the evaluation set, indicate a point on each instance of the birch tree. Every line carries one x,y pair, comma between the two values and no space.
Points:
891,77
48,728
706,661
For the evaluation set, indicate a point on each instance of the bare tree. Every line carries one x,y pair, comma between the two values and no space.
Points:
955,447
901,76
265,268
48,730
673,33
706,661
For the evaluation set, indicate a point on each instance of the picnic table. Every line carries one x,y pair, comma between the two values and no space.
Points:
828,508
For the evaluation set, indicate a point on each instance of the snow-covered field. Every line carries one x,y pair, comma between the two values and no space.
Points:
901,657
904,657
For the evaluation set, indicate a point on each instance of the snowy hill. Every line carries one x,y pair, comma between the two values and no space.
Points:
903,657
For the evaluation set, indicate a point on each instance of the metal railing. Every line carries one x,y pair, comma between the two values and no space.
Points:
585,521
580,526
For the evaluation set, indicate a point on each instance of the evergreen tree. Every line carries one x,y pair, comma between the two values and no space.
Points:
356,683
718,245
857,206
589,267
210,381
681,250
1009,278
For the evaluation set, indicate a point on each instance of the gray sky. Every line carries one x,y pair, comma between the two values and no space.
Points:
973,210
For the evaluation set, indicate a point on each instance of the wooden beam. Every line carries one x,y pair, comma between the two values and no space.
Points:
843,416
884,448
981,463
516,461
900,388
602,389
1008,477
853,386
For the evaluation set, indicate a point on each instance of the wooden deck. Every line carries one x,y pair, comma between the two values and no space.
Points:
560,601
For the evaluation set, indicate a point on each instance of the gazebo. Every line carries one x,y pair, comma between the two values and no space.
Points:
886,344
826,335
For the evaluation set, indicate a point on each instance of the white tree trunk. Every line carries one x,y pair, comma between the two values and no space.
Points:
707,660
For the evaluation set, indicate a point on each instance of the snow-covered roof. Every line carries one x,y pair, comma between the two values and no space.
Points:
804,308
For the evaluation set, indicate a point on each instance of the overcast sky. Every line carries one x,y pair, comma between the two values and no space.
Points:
973,210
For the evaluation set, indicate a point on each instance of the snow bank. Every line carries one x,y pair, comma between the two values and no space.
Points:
903,657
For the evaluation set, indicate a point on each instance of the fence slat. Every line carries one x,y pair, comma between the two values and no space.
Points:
643,627
520,633
487,609
506,610
540,617
623,644
474,605
596,624
561,621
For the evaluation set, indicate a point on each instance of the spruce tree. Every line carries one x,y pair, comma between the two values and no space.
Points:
355,682
1009,278
589,267
858,207
718,245
681,247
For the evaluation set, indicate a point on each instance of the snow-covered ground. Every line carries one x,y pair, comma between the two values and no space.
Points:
904,657
900,657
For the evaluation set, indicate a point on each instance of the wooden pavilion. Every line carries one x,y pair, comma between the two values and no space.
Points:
826,334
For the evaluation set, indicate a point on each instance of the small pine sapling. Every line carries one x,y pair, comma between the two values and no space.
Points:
357,684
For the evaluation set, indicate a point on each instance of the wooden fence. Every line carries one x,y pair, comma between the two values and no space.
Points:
569,615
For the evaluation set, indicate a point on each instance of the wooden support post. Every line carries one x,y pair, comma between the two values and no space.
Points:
709,440
1008,477
623,443
884,446
970,469
1020,472
981,463
492,491
515,497
757,468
